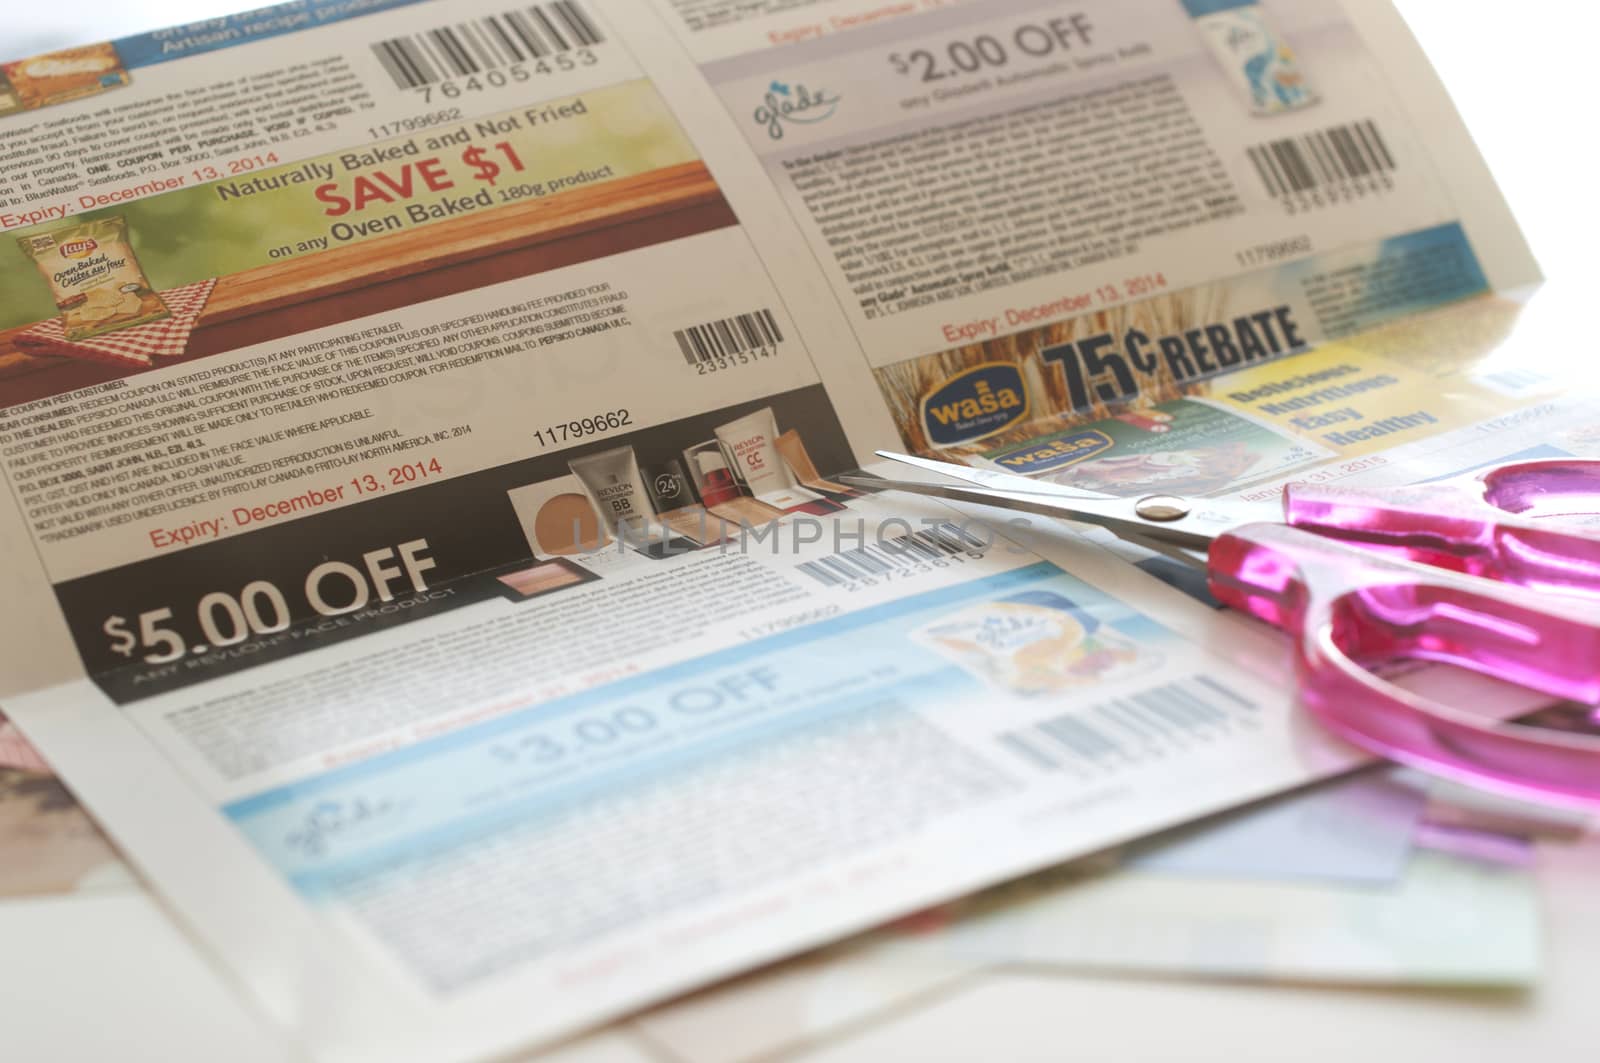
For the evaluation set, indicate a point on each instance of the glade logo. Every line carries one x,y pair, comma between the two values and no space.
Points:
78,248
793,103
1058,453
977,402
1243,36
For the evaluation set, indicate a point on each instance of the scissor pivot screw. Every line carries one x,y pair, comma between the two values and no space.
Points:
1162,508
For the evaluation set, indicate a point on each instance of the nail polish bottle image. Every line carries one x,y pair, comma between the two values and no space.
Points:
1254,56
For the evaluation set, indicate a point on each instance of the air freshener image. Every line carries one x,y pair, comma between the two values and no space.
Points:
1035,643
1253,54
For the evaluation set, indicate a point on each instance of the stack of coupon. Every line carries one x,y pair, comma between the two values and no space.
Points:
433,583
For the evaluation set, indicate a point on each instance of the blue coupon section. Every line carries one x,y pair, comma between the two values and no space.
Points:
917,653
226,31
1414,273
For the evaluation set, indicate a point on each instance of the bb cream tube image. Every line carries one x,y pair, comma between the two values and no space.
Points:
616,487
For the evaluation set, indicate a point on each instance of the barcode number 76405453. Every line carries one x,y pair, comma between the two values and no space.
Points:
491,52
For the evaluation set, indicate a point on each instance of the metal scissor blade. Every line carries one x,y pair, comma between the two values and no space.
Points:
1192,556
1004,481
1114,515
1199,521
980,496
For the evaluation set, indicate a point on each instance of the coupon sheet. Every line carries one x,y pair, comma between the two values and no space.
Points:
423,424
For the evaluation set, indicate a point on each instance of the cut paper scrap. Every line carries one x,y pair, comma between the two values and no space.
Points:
1357,831
1326,917
137,347
1456,806
1450,921
1478,844
797,1004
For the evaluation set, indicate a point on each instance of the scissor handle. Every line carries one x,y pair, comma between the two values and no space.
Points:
1556,485
1482,528
1350,608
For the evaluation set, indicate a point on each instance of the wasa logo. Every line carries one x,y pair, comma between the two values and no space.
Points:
978,402
1056,454
78,248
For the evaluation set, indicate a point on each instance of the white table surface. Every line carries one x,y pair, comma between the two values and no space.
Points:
107,977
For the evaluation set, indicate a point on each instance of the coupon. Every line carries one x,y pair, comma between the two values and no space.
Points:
426,431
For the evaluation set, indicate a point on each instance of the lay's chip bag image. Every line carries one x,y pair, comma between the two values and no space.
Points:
97,282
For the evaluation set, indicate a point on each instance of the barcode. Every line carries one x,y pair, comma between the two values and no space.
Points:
1328,157
730,336
1121,731
892,555
1516,381
484,44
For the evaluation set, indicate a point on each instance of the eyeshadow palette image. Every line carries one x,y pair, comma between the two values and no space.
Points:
542,578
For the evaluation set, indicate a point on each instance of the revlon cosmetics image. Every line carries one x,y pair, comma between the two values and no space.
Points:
672,491
718,490
751,444
558,518
615,485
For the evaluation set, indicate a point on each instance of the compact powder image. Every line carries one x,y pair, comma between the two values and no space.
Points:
741,510
567,524
541,579
697,525
819,507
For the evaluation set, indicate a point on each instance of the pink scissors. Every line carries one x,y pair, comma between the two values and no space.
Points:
1459,572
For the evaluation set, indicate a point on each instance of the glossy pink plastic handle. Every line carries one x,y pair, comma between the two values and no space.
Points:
1351,608
1484,527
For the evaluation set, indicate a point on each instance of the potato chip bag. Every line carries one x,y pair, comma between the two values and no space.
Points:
97,282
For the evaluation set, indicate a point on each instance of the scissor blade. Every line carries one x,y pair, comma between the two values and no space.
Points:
1191,556
1115,515
980,496
1206,519
1005,481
